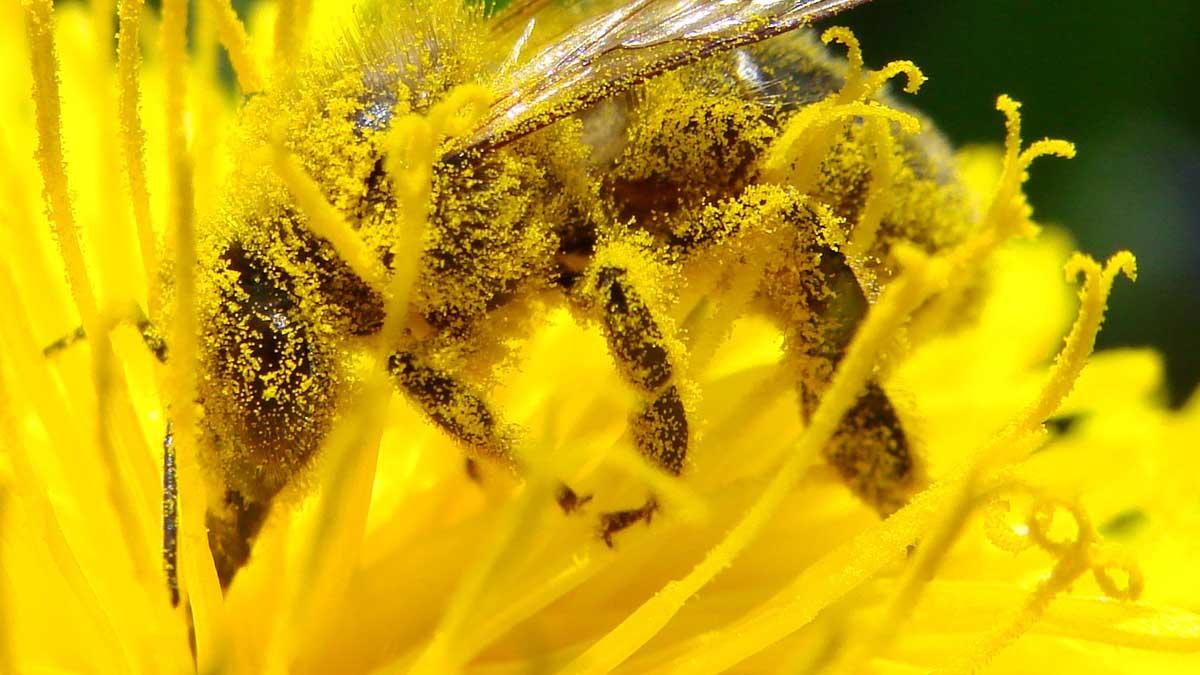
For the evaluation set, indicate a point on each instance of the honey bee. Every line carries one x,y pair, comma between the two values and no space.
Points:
620,166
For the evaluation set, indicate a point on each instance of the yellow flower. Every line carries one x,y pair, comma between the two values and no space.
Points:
1068,548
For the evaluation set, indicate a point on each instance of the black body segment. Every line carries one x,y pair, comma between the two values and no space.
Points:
232,529
170,517
870,449
633,335
272,379
660,430
451,403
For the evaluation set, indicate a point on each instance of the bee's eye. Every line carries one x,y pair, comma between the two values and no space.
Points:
375,113
260,288
375,116
259,310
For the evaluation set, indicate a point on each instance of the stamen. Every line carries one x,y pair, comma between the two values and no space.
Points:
1008,446
883,170
1079,343
1074,542
920,278
291,32
1059,528
913,77
794,157
1117,574
818,125
1009,211
854,56
339,523
819,586
861,83
208,116
352,445
133,139
39,27
1007,216
412,145
110,388
19,341
232,34
116,412
199,578
325,220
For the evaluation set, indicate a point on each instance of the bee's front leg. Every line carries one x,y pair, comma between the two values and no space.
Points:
463,412
150,333
639,345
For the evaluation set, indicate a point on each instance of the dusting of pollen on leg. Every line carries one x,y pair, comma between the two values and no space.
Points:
771,175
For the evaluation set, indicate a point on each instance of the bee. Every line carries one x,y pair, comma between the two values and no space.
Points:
621,166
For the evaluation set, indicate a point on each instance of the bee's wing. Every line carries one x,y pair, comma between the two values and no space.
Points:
517,12
616,50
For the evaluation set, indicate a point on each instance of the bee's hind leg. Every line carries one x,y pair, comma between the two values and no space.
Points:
638,344
150,333
870,449
462,412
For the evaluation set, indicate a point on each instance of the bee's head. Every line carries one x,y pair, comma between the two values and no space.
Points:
266,380
274,324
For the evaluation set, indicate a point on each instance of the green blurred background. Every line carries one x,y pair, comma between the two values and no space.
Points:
1120,79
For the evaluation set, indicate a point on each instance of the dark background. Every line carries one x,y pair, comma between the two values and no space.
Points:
1117,77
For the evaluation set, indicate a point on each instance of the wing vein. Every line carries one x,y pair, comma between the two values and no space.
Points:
615,51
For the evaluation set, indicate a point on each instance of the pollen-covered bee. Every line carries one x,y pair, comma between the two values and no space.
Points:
633,155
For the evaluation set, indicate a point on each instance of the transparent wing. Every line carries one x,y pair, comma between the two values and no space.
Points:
616,50
516,13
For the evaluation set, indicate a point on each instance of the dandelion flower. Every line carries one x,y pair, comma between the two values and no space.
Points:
1057,528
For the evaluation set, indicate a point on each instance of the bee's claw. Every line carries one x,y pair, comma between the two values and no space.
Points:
615,521
472,468
569,501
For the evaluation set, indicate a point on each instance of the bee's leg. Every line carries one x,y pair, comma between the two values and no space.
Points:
471,466
463,413
157,345
62,343
452,404
170,514
153,338
637,342
232,528
568,500
870,449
